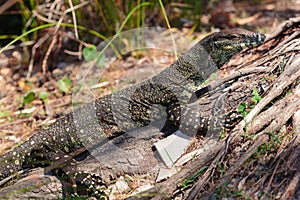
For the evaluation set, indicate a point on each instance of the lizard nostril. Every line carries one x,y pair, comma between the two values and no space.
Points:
261,37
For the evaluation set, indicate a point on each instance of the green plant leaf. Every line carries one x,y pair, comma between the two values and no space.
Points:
242,107
91,53
213,76
44,95
28,98
255,92
4,114
64,84
256,97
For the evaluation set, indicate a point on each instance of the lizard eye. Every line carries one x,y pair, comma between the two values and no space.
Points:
233,37
229,37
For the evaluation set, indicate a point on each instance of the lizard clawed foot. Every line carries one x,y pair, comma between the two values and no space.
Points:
231,119
82,184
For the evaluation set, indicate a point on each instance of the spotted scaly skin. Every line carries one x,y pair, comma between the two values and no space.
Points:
130,108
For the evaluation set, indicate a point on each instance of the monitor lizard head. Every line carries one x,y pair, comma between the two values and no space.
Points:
221,46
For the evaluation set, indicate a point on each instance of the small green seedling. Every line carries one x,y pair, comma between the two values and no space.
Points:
64,84
43,95
244,108
28,98
91,54
256,97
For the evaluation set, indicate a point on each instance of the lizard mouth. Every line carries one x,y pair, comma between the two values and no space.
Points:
236,43
254,41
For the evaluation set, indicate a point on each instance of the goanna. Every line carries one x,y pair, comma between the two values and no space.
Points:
114,114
